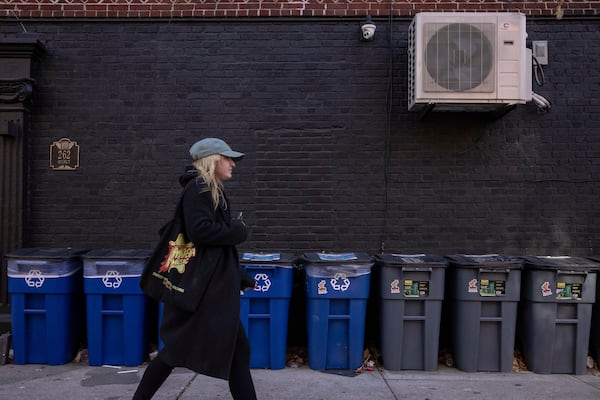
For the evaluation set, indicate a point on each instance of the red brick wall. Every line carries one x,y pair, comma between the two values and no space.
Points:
281,8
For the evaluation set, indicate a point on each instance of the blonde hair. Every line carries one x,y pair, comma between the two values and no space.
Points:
206,167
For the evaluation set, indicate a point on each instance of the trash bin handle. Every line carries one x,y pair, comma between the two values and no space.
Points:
25,266
563,272
269,267
417,269
30,262
505,270
108,263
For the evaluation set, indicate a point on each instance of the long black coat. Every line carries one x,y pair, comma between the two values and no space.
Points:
203,341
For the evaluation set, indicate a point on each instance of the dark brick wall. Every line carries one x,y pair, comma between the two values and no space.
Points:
307,101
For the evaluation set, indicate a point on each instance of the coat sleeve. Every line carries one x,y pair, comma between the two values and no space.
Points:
248,281
203,224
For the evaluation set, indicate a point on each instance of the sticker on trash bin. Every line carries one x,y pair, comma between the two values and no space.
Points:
263,283
339,283
488,288
34,278
395,286
568,291
416,288
322,287
473,286
112,279
546,290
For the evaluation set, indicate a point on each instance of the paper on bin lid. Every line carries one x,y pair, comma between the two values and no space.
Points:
337,256
284,260
322,258
261,257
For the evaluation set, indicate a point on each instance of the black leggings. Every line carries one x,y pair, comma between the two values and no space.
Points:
240,379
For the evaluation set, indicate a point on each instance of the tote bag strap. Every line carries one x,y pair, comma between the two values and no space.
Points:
179,208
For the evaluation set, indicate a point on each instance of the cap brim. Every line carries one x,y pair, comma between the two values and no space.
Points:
234,155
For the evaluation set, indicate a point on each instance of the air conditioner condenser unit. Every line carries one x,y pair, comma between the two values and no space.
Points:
468,61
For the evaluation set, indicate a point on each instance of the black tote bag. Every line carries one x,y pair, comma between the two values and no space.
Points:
176,271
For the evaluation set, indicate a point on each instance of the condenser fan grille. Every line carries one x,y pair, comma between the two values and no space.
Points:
459,57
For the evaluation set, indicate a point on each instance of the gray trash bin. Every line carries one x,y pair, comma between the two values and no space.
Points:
595,331
484,292
411,292
556,309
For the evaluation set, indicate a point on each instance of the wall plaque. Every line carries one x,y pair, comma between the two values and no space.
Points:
64,155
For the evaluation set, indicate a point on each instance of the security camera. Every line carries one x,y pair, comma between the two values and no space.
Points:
368,29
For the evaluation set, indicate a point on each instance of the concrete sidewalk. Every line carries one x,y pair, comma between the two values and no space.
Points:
81,381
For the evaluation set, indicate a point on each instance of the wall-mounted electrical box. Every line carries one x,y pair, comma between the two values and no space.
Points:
539,48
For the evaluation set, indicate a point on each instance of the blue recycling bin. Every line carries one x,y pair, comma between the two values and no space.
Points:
264,309
337,290
116,306
45,286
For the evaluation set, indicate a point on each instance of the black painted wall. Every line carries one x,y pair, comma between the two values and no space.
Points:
329,165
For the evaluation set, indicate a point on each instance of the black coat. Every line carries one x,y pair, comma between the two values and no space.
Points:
203,341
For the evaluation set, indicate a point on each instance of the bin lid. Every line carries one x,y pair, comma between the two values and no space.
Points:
336,258
249,258
400,260
117,254
485,260
46,253
559,262
324,265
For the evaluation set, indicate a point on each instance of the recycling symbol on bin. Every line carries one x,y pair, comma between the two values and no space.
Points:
112,279
340,282
34,278
263,283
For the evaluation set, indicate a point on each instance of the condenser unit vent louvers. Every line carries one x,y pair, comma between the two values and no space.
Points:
468,61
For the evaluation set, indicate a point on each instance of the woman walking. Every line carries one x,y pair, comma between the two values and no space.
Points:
210,340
